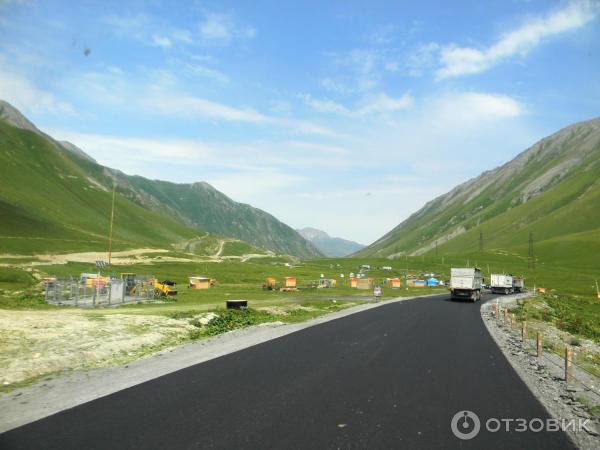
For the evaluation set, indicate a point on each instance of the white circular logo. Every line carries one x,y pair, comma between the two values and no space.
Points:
465,425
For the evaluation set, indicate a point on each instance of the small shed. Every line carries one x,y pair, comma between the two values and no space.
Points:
199,283
352,281
289,282
364,283
394,283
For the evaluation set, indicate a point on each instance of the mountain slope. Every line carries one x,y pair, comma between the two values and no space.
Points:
203,206
551,190
329,246
48,202
54,197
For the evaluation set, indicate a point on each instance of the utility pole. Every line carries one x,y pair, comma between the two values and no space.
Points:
436,253
480,241
530,253
110,230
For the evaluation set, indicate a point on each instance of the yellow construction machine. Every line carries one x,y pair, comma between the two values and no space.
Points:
164,288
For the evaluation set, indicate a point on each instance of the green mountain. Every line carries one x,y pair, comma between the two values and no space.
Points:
550,192
202,206
329,246
54,197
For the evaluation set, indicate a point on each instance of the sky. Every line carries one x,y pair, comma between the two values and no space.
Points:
347,116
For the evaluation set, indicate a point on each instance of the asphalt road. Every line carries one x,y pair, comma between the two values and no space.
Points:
389,377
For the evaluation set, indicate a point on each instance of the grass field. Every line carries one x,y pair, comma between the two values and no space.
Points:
43,339
235,279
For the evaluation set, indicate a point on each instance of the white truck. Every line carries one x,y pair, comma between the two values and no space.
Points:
466,283
518,284
501,284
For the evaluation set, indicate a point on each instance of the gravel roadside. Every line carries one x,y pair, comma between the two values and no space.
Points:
545,378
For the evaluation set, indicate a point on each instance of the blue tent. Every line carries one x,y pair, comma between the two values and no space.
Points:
432,282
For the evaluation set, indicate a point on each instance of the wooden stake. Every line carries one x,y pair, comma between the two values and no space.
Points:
539,344
523,331
568,364
512,321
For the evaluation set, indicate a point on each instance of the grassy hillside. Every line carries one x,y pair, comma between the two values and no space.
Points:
51,200
55,198
552,190
202,206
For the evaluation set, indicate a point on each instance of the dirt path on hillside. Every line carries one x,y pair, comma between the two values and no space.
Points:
134,256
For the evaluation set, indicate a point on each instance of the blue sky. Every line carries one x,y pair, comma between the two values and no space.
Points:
346,116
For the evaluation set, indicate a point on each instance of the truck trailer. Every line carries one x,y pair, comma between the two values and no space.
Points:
518,284
502,284
466,283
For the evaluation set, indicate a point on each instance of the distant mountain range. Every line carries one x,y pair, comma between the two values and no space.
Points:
551,190
329,246
54,197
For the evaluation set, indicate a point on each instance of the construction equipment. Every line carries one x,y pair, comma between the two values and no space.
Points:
129,279
164,288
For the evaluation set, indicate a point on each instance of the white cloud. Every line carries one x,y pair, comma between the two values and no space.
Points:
466,108
25,96
382,103
373,104
161,41
222,27
458,61
137,152
245,186
125,22
335,86
173,104
325,105
425,57
207,72
384,34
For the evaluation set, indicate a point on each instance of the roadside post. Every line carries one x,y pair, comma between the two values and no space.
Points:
539,344
523,331
568,364
99,265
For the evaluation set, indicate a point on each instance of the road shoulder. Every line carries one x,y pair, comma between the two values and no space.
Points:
544,381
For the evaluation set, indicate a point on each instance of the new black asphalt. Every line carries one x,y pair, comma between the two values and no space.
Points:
389,377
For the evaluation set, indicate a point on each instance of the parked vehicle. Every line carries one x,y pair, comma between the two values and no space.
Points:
518,284
466,283
502,284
